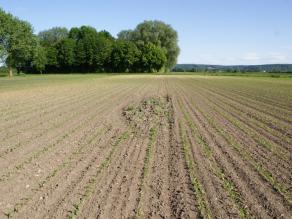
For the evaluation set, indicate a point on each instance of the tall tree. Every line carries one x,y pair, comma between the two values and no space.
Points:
104,46
125,56
125,35
66,55
150,47
153,58
86,38
53,35
16,40
158,33
52,58
105,34
49,39
39,59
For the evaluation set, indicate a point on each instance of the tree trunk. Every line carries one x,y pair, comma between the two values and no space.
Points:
10,72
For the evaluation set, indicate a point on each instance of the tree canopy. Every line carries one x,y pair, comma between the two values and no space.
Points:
150,47
153,58
125,56
16,41
158,33
53,35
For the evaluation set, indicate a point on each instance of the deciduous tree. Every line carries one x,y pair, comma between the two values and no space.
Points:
125,56
158,33
153,58
16,40
39,60
66,54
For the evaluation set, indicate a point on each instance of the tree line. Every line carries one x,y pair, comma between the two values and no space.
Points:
271,68
151,47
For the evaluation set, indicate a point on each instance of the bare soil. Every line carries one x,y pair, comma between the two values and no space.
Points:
147,147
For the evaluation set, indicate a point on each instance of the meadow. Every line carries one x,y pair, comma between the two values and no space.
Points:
145,146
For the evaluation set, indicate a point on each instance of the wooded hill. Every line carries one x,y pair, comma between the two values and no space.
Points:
273,68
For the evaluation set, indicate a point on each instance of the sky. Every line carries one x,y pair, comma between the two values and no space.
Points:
226,32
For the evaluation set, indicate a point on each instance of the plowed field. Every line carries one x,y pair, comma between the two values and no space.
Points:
145,146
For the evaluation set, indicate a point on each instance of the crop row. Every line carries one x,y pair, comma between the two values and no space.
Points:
153,132
90,186
82,148
57,141
208,153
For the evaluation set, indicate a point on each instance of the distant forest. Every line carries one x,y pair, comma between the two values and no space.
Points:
271,68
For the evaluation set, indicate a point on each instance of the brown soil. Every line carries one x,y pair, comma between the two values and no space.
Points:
149,147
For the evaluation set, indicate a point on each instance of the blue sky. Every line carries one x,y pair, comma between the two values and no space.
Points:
210,31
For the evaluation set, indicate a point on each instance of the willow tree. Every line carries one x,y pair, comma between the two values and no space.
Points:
159,34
